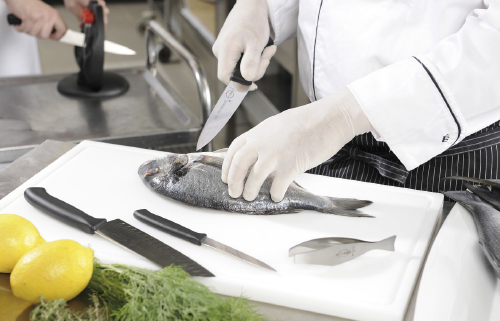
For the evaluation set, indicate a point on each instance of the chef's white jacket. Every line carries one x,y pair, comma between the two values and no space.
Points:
425,72
18,51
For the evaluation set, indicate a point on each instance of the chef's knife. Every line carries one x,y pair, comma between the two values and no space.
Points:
199,239
227,104
116,231
76,38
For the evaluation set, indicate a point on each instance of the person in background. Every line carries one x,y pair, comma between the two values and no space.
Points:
18,47
402,93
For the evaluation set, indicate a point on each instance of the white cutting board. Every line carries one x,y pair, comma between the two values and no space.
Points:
101,179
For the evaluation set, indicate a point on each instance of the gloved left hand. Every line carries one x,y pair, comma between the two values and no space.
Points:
291,143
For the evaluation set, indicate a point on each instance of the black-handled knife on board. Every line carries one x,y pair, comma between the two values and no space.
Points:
116,231
199,239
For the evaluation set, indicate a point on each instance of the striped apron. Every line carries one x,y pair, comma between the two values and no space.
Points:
365,159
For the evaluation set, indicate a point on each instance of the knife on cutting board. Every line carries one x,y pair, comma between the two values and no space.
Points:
116,231
227,104
199,239
76,38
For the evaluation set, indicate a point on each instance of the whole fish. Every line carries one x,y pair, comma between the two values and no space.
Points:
195,179
487,221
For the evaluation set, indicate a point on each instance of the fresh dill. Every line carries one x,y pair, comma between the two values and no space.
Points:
127,293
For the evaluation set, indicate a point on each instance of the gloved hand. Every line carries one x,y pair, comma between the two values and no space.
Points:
246,30
291,143
38,18
76,6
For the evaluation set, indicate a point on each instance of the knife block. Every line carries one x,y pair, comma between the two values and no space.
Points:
92,81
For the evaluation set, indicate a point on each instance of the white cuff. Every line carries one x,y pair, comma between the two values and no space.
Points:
412,110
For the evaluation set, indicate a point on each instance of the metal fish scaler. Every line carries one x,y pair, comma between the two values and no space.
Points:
336,250
195,179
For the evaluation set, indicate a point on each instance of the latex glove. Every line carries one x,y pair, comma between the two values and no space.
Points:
76,6
246,30
291,143
38,18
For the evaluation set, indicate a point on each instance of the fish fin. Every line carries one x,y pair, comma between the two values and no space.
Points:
298,185
350,213
486,194
333,209
490,182
463,197
348,203
210,160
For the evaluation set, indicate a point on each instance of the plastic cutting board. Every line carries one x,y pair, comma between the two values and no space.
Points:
101,179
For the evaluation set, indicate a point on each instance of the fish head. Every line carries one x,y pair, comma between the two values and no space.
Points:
163,167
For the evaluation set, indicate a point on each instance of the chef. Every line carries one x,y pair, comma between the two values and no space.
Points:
402,93
18,47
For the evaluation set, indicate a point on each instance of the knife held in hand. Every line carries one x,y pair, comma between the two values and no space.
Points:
76,38
116,231
227,104
199,239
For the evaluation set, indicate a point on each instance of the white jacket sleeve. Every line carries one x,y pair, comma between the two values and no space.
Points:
283,17
425,104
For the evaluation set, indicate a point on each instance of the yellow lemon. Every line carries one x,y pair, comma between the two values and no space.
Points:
59,269
17,236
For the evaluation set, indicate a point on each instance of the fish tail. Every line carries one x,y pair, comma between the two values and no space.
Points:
348,203
332,209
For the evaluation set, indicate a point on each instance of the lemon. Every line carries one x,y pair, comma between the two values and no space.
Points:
59,269
17,236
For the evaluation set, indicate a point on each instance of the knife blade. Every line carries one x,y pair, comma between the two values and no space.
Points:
227,104
116,231
76,38
199,239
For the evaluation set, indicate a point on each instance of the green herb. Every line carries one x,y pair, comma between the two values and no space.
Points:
135,294
57,310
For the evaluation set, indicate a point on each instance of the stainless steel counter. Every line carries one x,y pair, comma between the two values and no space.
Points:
149,115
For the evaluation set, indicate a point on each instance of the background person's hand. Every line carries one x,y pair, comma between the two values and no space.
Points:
291,143
246,30
76,6
38,18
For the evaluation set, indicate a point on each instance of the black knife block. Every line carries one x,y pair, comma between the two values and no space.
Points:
92,81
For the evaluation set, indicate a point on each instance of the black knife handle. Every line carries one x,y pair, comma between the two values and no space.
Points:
236,76
62,211
13,20
169,227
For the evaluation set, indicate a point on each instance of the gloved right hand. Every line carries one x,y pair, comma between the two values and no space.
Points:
38,18
246,30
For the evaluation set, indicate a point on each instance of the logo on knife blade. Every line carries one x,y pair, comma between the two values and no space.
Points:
344,253
230,94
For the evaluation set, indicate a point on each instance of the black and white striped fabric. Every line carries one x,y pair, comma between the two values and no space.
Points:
365,159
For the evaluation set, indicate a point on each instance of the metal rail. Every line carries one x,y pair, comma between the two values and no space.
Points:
155,29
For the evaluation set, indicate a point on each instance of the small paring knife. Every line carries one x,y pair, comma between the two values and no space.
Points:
76,38
227,104
199,239
116,231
